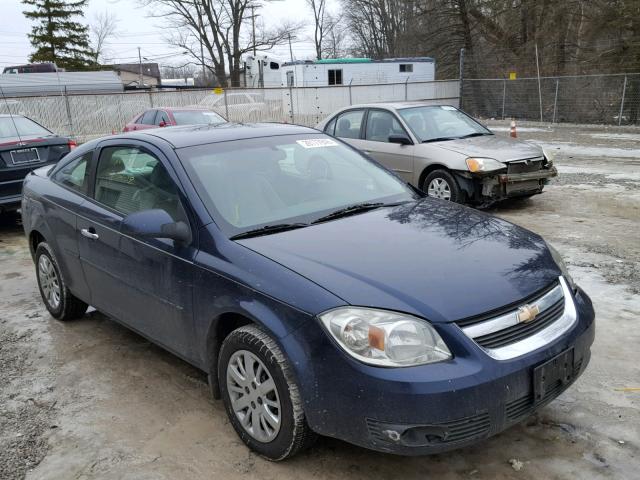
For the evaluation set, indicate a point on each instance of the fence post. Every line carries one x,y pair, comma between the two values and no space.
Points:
291,104
350,99
555,102
69,119
406,91
226,105
150,99
539,87
624,91
461,76
504,95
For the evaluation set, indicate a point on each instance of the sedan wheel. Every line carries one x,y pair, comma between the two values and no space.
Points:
60,302
253,395
260,394
439,188
442,184
49,282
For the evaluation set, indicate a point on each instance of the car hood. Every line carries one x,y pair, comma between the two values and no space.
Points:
432,258
503,149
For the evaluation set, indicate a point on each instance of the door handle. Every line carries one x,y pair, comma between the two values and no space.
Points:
86,232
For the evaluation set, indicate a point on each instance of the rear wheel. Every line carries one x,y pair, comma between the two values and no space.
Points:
56,296
260,395
442,184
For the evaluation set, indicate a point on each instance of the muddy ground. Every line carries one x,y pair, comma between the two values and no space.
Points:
89,399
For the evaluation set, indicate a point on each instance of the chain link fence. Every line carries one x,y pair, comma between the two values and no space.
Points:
592,99
90,116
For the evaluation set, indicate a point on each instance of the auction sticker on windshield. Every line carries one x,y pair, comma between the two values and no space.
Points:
317,143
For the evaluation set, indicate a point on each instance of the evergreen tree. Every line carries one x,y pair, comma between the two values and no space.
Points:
57,37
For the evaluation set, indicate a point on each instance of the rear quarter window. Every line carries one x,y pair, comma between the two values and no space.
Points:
75,174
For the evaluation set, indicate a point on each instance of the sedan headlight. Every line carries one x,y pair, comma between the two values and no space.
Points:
477,164
385,338
562,266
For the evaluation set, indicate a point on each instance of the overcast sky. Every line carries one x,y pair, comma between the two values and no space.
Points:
137,29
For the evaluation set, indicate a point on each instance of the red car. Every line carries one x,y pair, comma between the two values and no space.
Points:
165,117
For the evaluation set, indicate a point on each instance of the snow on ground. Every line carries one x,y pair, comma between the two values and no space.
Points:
615,136
571,150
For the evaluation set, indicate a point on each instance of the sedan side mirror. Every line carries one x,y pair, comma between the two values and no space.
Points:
156,223
162,123
400,139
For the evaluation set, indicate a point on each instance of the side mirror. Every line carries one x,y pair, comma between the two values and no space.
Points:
162,123
155,223
400,139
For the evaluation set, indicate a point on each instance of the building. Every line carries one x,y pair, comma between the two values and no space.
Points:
263,71
129,74
59,83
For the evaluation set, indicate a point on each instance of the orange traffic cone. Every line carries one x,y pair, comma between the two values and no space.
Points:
513,132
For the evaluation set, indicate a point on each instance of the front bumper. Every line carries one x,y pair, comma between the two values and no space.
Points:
507,185
430,408
483,188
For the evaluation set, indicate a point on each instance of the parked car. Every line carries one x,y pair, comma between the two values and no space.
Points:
25,145
242,106
320,293
443,151
167,117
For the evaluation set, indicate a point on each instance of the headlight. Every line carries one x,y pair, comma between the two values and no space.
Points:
385,338
562,266
476,164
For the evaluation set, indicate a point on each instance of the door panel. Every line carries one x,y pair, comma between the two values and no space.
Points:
399,158
145,283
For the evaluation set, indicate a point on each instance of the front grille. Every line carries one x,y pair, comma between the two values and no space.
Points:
521,330
506,326
525,166
524,406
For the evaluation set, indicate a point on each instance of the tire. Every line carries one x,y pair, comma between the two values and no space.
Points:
444,186
60,302
247,398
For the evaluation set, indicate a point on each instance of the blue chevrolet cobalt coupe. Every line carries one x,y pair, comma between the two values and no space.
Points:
320,293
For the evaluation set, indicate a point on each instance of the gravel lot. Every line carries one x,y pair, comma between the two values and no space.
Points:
89,399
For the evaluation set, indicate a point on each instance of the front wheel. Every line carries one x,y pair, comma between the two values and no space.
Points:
260,395
442,184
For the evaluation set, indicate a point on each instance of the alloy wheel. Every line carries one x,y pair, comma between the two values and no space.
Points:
49,282
439,188
254,397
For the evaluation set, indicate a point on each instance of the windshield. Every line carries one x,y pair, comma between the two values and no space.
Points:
196,117
247,184
25,127
440,122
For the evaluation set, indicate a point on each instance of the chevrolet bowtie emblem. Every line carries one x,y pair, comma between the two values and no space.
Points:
527,313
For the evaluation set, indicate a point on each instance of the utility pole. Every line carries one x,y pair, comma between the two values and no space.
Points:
140,64
253,27
204,75
539,87
290,49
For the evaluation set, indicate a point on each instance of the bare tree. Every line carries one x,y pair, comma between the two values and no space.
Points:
319,19
336,37
103,27
217,28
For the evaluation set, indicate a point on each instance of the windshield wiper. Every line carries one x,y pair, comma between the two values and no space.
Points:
476,134
351,210
267,229
439,139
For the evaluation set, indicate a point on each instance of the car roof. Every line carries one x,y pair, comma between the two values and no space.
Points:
180,109
191,135
7,115
394,105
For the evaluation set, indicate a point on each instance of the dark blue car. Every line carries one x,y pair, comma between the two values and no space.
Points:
319,292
